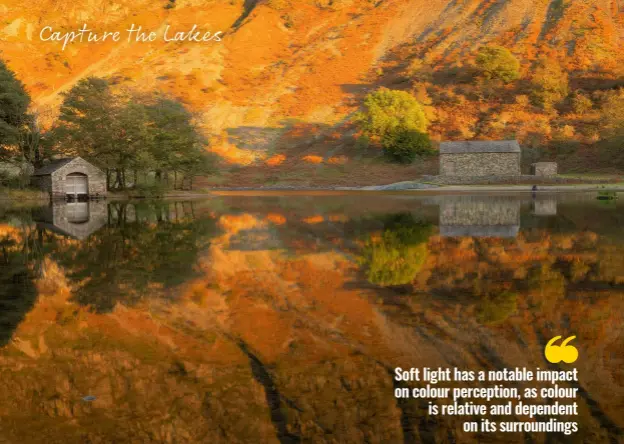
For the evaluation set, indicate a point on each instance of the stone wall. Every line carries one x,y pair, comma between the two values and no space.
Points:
508,180
544,169
480,164
96,178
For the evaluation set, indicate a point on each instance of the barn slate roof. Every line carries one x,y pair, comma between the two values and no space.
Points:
53,166
480,146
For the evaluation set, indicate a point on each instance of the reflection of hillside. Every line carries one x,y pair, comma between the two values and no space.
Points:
294,343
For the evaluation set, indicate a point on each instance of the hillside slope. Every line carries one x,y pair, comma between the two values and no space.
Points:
276,94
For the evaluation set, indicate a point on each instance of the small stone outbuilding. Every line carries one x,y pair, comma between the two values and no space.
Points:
72,177
480,158
544,169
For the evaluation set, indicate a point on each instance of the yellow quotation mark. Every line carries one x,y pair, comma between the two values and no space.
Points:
564,352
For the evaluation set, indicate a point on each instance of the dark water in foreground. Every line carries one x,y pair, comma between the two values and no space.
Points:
281,319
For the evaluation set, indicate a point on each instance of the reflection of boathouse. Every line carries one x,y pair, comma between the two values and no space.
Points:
75,219
479,216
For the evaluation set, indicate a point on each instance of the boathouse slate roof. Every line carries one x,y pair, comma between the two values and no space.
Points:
53,166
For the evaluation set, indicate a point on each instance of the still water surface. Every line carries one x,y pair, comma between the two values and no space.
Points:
281,318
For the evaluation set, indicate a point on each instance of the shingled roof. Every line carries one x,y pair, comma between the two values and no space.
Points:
486,146
53,166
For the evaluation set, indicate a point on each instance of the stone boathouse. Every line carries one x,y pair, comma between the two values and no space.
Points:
73,177
480,158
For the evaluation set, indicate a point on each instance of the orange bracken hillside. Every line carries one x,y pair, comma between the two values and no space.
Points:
277,93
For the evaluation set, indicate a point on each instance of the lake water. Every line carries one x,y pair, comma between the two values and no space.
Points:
282,318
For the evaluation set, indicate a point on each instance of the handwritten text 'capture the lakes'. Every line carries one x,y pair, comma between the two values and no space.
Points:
134,34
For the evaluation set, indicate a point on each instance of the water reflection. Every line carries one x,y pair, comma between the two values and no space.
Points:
544,206
280,319
479,216
17,289
74,219
142,249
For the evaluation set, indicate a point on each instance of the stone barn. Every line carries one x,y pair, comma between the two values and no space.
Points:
73,177
480,158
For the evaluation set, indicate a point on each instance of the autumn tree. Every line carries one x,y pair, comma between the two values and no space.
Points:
581,103
612,118
396,120
498,63
549,84
96,125
612,123
387,110
128,134
404,146
176,142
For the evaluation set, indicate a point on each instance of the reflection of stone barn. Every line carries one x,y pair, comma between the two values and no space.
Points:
70,177
480,158
73,219
479,216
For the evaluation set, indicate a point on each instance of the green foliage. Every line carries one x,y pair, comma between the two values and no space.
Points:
14,102
581,104
388,110
88,125
498,63
19,129
176,144
362,142
549,84
607,195
129,134
397,256
404,145
496,309
612,127
150,189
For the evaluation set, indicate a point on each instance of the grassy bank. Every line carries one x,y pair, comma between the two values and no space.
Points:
23,195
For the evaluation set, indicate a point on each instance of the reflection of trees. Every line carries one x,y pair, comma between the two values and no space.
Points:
497,308
143,248
398,254
17,289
